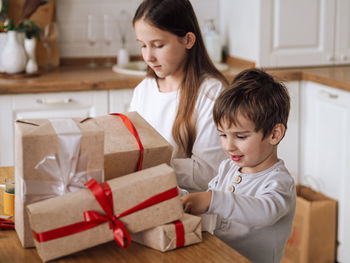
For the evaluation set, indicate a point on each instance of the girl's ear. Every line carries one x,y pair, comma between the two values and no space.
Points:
277,133
189,40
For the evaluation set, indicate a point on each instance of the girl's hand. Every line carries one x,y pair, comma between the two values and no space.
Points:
196,203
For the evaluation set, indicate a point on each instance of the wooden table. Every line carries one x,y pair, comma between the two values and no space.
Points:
210,250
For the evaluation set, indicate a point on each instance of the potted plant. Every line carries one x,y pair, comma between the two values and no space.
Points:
13,57
20,55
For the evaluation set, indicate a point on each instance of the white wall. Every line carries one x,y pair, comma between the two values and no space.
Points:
234,21
72,23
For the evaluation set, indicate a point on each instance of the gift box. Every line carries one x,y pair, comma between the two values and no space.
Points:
53,157
131,144
183,232
89,217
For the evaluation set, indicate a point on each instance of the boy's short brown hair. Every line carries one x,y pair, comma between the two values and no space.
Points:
258,97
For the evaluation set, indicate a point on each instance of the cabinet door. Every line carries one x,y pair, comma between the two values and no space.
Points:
6,131
288,149
119,100
342,48
325,151
45,105
296,33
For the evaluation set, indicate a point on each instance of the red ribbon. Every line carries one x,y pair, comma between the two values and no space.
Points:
103,195
180,233
133,131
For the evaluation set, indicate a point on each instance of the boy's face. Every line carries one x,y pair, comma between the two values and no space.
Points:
246,147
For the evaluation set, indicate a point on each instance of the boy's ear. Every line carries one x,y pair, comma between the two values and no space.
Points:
189,40
277,133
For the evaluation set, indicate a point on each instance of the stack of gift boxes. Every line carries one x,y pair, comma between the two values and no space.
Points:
84,182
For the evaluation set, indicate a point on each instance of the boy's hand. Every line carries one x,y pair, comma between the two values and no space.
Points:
196,203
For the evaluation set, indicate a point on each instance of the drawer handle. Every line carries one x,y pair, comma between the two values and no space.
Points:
54,101
327,94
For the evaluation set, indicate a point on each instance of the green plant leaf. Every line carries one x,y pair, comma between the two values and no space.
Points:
30,28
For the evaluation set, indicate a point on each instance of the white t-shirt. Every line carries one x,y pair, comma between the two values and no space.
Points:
256,218
159,109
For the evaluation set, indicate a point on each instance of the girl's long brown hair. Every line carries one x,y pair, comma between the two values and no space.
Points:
178,17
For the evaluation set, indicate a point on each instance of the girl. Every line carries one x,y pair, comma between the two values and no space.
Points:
178,94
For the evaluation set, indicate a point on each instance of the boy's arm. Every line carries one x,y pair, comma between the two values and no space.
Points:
264,208
196,203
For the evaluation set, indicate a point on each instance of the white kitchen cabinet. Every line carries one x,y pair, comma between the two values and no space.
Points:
288,149
325,151
342,41
45,105
284,33
119,100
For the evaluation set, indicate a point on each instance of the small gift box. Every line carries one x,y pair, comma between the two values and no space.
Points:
183,232
89,217
53,157
131,144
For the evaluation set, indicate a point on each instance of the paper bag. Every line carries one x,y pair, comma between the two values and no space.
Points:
64,214
186,231
122,151
53,157
313,237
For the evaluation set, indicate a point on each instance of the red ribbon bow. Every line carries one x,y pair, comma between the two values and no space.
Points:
6,224
103,195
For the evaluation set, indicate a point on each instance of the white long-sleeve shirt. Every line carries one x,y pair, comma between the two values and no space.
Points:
256,218
159,109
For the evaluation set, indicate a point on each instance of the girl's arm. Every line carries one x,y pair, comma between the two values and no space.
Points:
195,173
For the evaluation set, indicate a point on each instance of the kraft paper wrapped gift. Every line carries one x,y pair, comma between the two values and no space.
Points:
186,231
121,149
53,157
129,191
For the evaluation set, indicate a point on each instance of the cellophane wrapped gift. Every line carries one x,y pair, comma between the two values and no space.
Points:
183,232
56,222
122,151
53,157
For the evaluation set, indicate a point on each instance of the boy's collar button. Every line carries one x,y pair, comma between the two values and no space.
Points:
231,188
238,179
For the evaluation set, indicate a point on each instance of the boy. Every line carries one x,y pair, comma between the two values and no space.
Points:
253,194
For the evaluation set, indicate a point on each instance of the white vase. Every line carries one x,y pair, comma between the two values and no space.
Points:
29,46
3,40
13,58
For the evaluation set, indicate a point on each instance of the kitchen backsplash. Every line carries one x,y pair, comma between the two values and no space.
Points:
72,17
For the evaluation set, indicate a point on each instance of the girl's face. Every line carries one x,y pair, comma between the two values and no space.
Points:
163,51
246,147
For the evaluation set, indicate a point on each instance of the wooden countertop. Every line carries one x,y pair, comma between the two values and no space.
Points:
69,78
211,249
79,78
334,76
